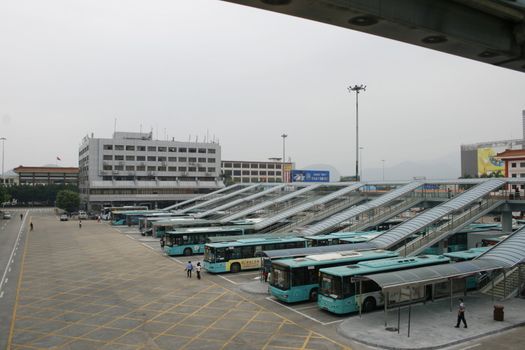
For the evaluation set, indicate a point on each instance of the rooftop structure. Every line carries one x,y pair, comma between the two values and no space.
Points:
43,175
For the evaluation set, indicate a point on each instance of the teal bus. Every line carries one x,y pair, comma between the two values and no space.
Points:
297,279
363,237
189,241
333,238
471,281
240,255
131,217
339,292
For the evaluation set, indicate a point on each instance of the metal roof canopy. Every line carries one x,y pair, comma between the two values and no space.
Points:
195,199
432,274
299,252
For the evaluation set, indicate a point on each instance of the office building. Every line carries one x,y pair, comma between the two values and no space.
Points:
242,171
132,169
46,175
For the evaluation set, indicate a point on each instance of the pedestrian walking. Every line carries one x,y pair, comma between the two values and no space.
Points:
461,314
21,216
162,242
189,269
31,226
198,270
79,223
98,219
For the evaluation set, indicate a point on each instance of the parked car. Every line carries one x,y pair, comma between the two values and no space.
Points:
64,217
6,216
82,215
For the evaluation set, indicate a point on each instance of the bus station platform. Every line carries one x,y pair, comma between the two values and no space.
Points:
432,324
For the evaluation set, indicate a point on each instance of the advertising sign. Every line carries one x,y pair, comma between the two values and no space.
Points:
310,176
487,164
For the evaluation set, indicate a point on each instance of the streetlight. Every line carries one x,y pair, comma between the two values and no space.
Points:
382,160
3,146
357,89
361,164
284,136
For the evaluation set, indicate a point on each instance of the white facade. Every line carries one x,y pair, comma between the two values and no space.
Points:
132,168
242,171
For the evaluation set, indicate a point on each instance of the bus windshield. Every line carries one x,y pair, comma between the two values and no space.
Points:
280,277
212,254
331,286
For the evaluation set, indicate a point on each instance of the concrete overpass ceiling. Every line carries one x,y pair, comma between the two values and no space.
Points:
490,31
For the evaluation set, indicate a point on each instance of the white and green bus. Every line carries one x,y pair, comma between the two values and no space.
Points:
234,256
339,292
297,279
334,238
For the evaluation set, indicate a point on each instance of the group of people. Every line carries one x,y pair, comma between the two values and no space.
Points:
190,268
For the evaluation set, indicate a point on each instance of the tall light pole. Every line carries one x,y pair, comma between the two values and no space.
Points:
357,89
383,161
361,156
3,146
284,136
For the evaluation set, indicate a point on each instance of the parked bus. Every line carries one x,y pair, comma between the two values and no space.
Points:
340,294
131,217
364,237
297,279
107,212
471,281
240,255
332,238
189,241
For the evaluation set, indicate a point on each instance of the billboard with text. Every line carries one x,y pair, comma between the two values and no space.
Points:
310,176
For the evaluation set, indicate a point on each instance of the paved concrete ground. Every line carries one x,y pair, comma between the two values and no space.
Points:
432,325
93,288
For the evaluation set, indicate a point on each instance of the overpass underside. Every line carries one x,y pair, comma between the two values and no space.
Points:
489,31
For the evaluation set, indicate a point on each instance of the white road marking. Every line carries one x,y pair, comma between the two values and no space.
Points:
471,346
302,314
13,251
5,282
133,238
2,294
227,279
177,260
257,278
307,307
145,245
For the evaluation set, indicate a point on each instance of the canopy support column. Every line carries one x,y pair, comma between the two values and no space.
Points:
450,281
386,308
360,297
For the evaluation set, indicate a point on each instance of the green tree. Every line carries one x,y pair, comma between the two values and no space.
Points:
4,196
68,200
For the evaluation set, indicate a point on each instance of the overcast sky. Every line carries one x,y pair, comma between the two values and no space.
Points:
68,68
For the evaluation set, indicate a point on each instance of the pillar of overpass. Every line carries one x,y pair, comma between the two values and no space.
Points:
506,220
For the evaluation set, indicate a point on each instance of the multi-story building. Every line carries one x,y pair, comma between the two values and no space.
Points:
132,168
242,171
9,178
45,175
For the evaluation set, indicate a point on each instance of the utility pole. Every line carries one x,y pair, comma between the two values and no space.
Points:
357,89
3,146
284,136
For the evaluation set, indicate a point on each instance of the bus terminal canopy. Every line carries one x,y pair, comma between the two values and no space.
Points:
300,252
433,274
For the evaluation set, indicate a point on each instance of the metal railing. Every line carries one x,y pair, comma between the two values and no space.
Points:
457,221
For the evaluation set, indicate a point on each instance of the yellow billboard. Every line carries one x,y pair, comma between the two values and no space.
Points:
487,163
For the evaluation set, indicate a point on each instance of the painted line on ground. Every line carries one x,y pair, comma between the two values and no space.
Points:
133,238
177,260
306,307
147,246
302,314
471,346
2,294
13,251
227,279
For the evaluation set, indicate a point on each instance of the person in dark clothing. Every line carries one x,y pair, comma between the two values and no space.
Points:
31,226
461,314
79,224
21,216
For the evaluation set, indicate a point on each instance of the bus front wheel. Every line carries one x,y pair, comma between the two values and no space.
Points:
369,304
313,294
188,252
235,267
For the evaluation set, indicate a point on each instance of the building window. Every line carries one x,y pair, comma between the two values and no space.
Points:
151,168
192,150
107,167
119,157
107,157
172,168
119,167
262,172
522,165
141,148
161,159
182,150
172,149
130,148
141,168
202,170
254,172
130,167
211,170
211,150
172,159
227,165
255,165
130,157
183,159
152,158
271,173
211,160
271,166
108,147
522,175
162,149
119,147
245,172
141,158
513,165
246,165
161,168
277,173
202,150
262,166
192,160
514,175
152,149
237,172
228,172
202,160
192,168
182,168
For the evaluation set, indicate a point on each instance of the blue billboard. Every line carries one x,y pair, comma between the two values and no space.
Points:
310,176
